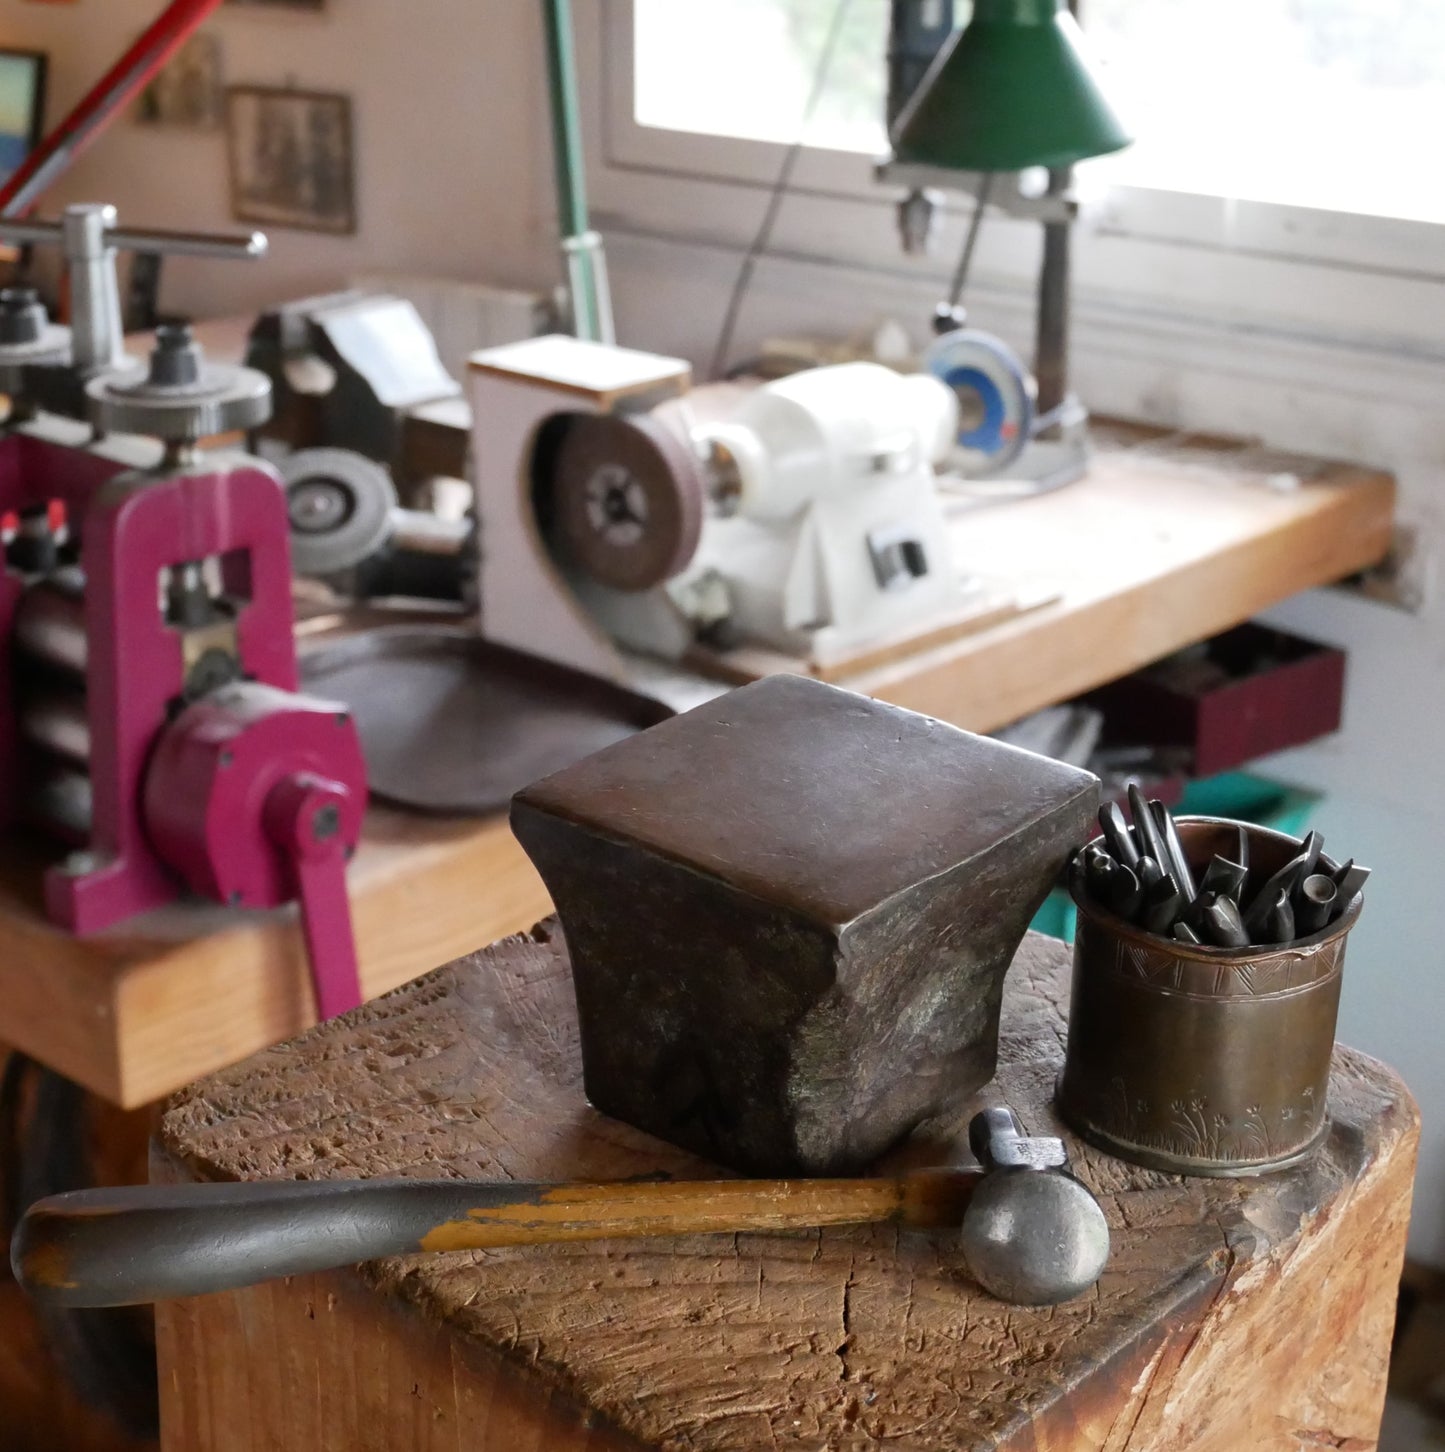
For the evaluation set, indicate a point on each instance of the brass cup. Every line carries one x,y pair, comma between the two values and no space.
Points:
1201,1060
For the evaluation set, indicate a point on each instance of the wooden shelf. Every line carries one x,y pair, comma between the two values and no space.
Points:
137,1012
1166,541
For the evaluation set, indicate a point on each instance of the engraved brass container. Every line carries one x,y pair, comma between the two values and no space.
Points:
1201,1060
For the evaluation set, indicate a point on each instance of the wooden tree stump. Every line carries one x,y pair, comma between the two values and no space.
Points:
1251,1314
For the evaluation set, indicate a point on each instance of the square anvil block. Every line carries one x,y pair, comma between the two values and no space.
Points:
789,914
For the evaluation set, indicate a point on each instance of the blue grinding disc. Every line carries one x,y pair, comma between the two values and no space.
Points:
995,396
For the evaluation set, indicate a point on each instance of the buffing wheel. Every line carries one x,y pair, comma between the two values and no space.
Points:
627,500
340,504
995,398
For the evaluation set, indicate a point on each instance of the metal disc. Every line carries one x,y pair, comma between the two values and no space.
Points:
340,505
452,723
995,397
225,399
627,500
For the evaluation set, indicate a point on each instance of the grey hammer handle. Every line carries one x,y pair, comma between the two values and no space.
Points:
113,1247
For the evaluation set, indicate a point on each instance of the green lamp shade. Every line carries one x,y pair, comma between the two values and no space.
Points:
1014,89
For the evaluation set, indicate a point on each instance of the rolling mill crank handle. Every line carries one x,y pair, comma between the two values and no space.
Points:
89,237
1030,1232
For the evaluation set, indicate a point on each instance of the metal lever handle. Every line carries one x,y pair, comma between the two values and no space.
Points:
241,246
303,816
88,236
116,1247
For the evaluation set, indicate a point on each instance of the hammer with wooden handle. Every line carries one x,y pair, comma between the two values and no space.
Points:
1031,1233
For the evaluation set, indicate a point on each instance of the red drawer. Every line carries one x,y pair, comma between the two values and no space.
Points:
1236,697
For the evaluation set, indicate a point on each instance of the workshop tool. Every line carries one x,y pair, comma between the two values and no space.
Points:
1209,1058
150,719
1031,1233
776,900
452,723
360,371
1222,904
1224,878
369,416
810,521
1223,925
1317,897
1350,879
1116,834
348,529
976,121
1162,904
995,395
1178,862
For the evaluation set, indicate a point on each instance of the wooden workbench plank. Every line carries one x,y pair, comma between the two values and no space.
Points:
137,1012
1142,567
1233,1314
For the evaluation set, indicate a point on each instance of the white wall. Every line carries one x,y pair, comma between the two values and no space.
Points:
449,115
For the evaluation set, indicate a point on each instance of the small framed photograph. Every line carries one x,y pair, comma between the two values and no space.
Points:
189,91
291,158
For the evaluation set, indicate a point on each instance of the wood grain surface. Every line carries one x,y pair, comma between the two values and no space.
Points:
1234,1314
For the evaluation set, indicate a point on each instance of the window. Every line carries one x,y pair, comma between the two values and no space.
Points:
762,56
1310,103
1274,189
1333,104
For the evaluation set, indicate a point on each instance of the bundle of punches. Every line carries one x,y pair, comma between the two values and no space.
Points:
1143,873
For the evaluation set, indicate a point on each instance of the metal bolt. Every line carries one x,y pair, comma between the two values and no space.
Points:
326,823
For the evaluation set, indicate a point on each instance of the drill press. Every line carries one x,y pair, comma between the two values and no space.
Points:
150,721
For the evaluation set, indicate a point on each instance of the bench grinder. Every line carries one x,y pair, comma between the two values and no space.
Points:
809,521
150,720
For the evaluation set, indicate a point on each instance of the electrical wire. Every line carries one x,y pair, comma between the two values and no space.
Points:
779,191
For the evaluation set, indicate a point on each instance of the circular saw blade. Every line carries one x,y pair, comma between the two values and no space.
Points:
627,499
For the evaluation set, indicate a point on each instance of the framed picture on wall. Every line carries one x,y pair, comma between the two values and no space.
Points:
291,158
189,91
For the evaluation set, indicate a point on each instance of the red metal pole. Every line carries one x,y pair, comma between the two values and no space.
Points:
102,103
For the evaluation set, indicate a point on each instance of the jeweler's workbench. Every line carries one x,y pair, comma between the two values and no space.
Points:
1165,542
1233,1313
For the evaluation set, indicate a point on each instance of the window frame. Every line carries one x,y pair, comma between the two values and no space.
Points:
835,202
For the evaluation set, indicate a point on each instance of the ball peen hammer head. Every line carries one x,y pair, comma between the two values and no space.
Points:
1032,1234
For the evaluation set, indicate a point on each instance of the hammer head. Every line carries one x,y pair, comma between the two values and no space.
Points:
1032,1234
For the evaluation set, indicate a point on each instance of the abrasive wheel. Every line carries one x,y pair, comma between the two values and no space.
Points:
340,504
627,500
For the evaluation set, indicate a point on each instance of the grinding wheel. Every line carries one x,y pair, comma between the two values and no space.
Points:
455,724
626,500
340,504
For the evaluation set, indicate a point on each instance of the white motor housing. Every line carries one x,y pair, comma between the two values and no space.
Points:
839,536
